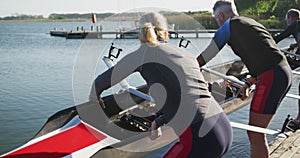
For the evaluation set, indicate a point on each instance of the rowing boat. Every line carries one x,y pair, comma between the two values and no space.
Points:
87,130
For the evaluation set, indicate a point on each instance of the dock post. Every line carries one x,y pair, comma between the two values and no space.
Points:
101,29
197,33
77,28
176,31
116,34
121,34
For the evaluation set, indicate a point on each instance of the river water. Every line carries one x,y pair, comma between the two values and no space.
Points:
41,74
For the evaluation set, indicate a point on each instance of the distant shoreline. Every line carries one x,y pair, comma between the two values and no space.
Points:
48,20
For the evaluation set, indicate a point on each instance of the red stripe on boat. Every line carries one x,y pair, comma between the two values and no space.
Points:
62,144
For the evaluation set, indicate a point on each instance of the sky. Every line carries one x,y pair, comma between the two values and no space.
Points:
46,7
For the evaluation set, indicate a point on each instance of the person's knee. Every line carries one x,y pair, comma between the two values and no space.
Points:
255,137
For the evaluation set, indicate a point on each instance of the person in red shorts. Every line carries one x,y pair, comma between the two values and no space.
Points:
266,64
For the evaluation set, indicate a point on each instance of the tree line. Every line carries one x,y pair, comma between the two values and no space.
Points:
270,13
55,16
17,16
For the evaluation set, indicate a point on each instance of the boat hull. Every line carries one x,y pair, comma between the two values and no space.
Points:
107,133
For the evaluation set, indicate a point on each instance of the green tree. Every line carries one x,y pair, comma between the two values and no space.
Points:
264,9
244,5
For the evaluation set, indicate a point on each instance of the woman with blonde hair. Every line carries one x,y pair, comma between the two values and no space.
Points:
178,89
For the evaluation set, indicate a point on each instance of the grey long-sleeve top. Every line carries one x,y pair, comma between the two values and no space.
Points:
173,78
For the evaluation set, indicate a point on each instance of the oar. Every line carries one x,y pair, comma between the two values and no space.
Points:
296,72
257,129
293,96
290,53
253,128
230,78
240,83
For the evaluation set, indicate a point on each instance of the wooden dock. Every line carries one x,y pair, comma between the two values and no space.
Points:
286,147
120,34
132,34
280,147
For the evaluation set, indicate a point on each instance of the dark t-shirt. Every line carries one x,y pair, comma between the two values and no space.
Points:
251,42
293,29
290,30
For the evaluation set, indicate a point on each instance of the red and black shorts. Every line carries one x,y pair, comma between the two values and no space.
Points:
271,88
212,145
